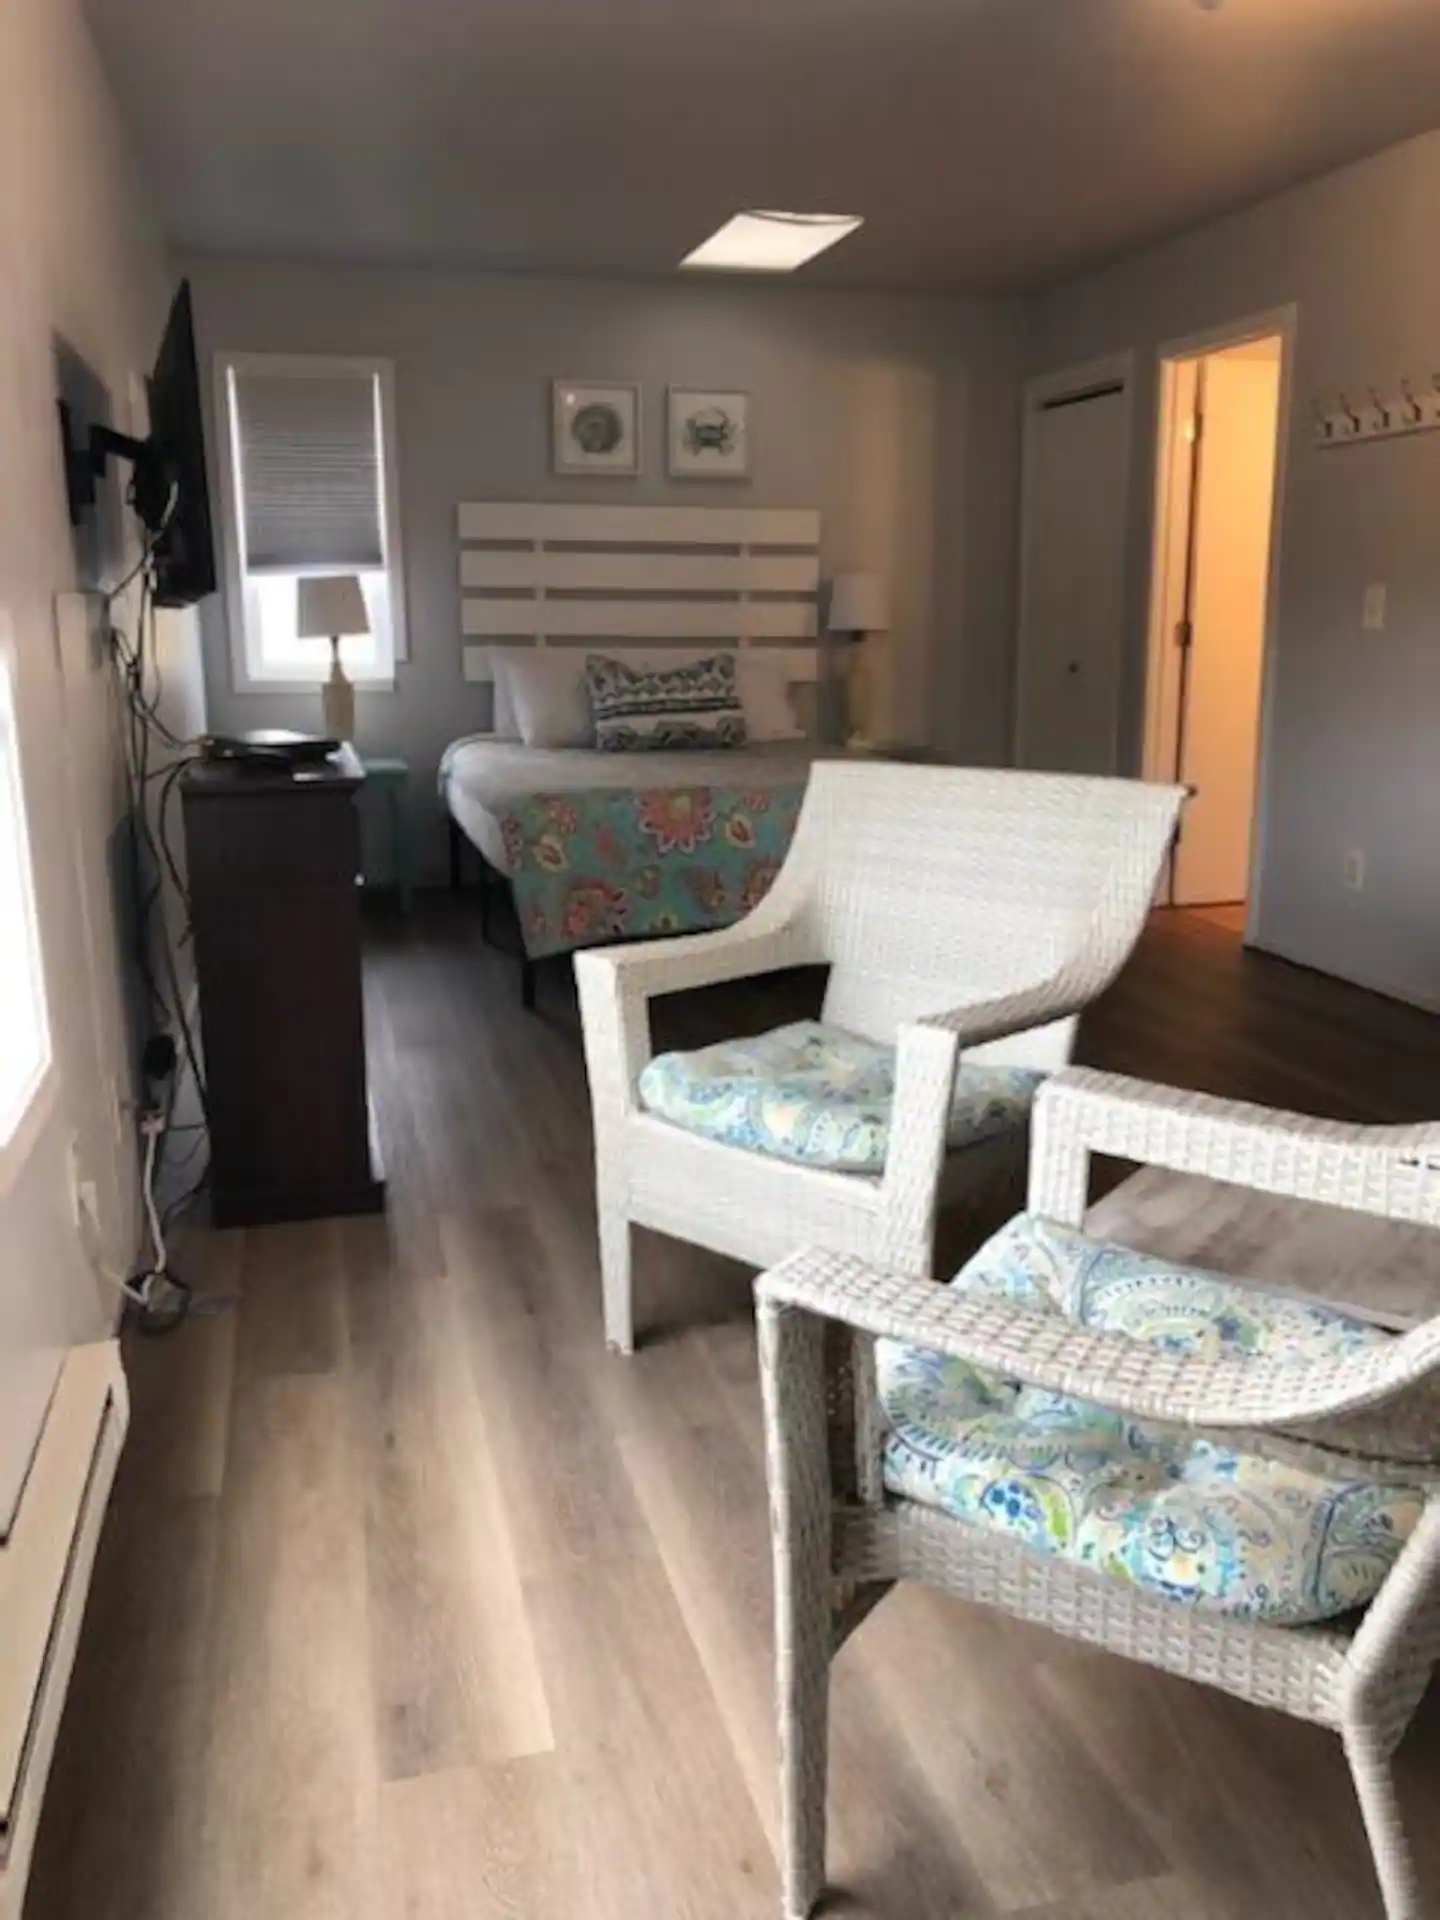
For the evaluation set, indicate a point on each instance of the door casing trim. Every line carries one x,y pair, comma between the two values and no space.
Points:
1283,321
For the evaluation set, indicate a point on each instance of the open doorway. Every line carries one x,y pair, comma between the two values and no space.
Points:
1217,488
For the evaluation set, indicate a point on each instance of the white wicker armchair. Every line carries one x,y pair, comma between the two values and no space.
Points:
841,1540
957,909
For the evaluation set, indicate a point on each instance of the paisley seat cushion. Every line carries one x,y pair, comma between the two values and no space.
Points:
1178,1515
819,1095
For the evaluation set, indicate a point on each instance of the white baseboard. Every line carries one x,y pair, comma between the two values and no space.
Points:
45,1568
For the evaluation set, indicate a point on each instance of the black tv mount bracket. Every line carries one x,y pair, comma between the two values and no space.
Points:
85,466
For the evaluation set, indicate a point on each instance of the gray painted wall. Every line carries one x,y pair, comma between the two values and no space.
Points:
1354,758
84,284
897,416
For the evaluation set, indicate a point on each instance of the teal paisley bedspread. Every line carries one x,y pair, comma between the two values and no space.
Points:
617,864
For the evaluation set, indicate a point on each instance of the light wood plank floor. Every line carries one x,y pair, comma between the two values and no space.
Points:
414,1605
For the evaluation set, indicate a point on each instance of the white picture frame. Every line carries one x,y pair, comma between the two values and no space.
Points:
595,428
707,433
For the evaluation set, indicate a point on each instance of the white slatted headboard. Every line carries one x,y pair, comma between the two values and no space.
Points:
639,577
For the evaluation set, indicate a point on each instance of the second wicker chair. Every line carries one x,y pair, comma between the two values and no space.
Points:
963,914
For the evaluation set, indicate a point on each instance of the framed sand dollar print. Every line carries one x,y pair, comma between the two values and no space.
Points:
595,427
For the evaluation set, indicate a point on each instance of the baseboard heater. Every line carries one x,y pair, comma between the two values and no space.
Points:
45,1566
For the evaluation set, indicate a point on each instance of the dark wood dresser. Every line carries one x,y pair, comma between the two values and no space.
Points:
273,862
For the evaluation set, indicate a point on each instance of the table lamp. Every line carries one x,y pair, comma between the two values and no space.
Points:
328,607
859,604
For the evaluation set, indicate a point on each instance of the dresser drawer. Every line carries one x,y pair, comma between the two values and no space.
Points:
251,842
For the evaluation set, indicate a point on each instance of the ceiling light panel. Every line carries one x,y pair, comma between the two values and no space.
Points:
770,242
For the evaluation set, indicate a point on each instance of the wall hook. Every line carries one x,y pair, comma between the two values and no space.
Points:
1410,408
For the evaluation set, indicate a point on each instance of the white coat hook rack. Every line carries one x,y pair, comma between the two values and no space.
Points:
1413,407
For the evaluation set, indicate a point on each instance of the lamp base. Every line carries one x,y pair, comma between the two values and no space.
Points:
859,691
337,698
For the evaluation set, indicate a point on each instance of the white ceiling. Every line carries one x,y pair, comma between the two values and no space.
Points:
989,143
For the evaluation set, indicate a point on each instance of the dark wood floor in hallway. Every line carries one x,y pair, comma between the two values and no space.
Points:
414,1604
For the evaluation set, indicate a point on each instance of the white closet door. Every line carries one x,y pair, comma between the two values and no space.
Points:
1072,587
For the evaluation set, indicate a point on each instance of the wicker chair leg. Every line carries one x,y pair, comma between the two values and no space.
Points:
615,1278
803,1652
794,1388
1370,1764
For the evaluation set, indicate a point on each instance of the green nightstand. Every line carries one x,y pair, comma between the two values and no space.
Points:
391,777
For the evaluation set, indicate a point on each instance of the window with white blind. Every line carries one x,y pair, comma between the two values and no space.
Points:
309,487
24,1031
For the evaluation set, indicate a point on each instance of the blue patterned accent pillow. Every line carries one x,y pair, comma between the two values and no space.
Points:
638,708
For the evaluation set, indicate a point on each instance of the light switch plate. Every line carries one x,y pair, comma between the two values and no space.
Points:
1372,612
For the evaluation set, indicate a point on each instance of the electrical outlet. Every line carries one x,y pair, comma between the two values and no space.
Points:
1355,870
1372,610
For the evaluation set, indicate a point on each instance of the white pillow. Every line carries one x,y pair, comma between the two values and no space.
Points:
545,691
765,696
503,724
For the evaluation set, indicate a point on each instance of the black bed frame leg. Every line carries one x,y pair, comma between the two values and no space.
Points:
490,881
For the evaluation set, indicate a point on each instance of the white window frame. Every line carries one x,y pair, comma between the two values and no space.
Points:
24,1104
247,675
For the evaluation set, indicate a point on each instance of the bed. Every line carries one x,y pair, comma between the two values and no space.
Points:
639,844
598,846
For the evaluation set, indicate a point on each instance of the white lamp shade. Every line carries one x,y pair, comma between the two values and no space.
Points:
328,604
859,603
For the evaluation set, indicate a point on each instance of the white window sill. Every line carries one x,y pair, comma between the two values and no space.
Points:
297,685
304,680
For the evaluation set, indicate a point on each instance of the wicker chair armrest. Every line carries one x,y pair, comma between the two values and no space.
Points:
1128,1376
928,1053
654,967
1059,998
1390,1171
616,985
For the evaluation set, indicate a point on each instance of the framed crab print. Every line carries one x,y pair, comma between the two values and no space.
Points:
709,434
595,427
